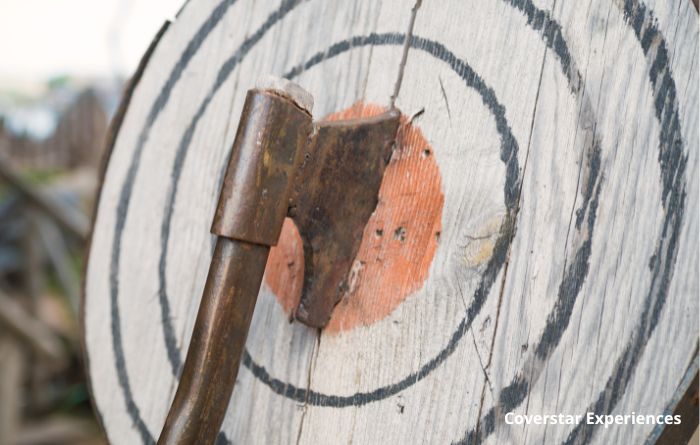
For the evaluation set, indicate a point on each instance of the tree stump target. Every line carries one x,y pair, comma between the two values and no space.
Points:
546,186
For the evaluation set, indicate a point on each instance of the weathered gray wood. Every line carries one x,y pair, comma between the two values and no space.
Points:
11,368
15,320
565,274
56,250
69,219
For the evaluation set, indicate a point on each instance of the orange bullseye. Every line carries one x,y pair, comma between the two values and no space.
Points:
398,243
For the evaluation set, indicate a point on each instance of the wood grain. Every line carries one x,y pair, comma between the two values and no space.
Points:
565,276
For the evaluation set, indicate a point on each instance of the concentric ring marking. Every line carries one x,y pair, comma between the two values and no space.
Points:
509,149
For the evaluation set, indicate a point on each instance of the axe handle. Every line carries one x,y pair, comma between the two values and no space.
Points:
266,155
217,344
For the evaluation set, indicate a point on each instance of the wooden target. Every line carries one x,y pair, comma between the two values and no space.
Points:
534,249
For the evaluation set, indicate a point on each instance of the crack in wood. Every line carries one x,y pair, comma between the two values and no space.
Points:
444,96
312,367
481,363
404,54
513,229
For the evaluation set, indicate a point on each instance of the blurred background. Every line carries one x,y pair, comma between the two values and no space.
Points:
63,66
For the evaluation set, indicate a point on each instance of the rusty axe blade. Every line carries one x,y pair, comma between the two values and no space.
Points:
335,194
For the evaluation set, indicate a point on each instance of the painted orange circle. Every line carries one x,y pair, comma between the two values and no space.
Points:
398,243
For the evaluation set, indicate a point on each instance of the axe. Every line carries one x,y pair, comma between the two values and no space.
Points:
326,177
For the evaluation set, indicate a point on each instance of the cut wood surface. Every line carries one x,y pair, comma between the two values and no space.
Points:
542,202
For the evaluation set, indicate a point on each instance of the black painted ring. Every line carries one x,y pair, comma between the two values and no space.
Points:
509,148
508,156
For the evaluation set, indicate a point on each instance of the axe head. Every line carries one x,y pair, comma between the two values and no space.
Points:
336,191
